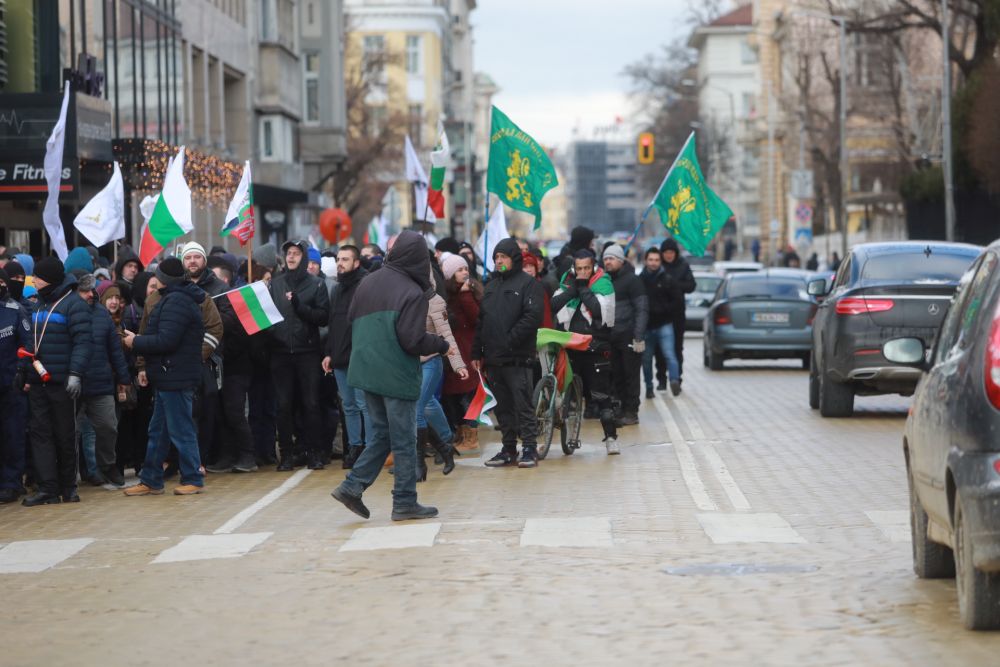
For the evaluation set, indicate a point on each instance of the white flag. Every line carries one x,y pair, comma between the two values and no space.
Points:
102,220
496,231
53,175
415,174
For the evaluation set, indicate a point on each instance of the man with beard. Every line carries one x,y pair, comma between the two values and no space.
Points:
628,338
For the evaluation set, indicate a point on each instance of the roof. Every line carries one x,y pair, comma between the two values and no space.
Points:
738,21
742,15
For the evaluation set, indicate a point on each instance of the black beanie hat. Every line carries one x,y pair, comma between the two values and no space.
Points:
170,271
448,244
51,270
14,270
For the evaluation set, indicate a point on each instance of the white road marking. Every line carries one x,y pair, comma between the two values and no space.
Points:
247,514
729,485
894,524
206,547
577,532
689,471
748,528
38,555
668,420
688,414
393,537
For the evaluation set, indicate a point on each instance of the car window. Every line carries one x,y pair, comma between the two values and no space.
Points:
917,266
843,273
977,290
763,287
707,283
959,320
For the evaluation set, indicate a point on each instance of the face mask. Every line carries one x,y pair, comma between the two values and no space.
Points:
3,292
16,289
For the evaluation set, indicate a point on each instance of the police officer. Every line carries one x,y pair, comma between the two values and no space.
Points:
15,332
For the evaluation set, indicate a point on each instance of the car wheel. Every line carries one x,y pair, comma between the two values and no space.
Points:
930,559
704,355
715,360
978,592
835,399
813,384
807,361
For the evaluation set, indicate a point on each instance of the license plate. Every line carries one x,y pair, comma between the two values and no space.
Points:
769,318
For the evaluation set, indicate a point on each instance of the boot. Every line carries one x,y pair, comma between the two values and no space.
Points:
471,441
351,457
421,452
444,450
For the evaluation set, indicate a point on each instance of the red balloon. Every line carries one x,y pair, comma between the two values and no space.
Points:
334,224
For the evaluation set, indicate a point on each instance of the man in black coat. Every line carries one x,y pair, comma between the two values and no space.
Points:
680,271
665,297
171,347
338,350
628,338
296,355
15,332
509,318
580,238
61,345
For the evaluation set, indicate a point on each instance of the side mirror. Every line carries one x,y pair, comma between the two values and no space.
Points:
817,287
906,351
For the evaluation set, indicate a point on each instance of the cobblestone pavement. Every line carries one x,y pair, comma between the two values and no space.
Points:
584,560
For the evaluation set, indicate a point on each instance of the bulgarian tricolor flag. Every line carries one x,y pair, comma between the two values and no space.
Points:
566,340
254,307
602,287
240,216
439,164
482,403
171,215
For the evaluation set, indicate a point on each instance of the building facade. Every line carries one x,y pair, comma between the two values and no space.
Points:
602,190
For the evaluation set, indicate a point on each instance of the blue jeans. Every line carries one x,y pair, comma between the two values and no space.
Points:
429,410
355,409
394,428
172,422
88,443
664,338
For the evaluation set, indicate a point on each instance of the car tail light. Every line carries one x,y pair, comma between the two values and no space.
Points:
992,365
812,314
722,315
996,466
857,306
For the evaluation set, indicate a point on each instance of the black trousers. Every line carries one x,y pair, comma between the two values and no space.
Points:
133,431
512,387
626,365
53,438
680,326
263,412
237,441
207,409
296,386
594,368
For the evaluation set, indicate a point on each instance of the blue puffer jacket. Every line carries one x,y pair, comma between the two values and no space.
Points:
15,332
65,347
107,360
172,342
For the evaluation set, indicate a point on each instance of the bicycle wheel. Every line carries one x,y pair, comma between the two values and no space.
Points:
544,399
572,410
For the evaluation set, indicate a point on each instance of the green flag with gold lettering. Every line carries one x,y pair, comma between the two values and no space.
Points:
520,171
688,208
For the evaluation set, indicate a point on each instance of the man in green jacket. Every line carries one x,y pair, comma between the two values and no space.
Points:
389,332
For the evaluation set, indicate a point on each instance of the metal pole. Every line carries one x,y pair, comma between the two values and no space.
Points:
949,183
772,186
844,176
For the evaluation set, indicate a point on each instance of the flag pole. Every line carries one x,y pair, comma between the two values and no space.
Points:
253,216
645,213
486,208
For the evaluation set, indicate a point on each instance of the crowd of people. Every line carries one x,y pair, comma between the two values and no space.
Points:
107,367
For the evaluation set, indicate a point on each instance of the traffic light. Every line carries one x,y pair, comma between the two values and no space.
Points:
646,148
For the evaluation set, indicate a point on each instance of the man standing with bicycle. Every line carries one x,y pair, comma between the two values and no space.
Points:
585,304
504,347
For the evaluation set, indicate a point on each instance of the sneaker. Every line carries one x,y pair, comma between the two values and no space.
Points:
529,458
415,511
188,490
351,502
113,476
141,489
612,446
628,419
662,386
503,458
10,495
287,464
246,465
675,388
71,497
315,462
41,498
649,393
95,480
220,466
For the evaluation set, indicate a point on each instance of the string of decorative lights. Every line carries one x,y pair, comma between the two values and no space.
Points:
143,164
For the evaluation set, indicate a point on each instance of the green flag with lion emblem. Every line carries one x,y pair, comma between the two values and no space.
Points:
520,171
688,208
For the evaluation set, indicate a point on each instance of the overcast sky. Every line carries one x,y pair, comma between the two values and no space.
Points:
559,63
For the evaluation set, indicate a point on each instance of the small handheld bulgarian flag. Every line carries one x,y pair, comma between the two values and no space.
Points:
439,164
254,307
240,216
482,402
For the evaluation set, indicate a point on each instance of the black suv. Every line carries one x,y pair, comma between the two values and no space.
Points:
881,291
952,446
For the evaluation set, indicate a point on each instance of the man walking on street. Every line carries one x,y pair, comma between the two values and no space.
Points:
61,346
665,304
504,348
303,300
171,346
679,270
389,334
628,338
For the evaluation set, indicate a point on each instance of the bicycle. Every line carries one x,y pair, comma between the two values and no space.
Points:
558,395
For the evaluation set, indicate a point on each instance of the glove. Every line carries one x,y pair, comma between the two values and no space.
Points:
639,346
74,386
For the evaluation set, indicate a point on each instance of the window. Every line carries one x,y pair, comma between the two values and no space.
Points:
373,59
277,139
965,306
268,142
310,63
748,55
376,120
413,54
310,10
277,22
930,268
873,61
415,123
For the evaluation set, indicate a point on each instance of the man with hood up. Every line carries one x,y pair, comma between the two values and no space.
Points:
61,344
504,347
127,266
389,334
580,238
679,271
296,354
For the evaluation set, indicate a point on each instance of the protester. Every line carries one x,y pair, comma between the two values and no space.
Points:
504,348
15,332
680,271
372,257
16,275
664,297
532,267
128,265
262,401
580,238
628,337
464,296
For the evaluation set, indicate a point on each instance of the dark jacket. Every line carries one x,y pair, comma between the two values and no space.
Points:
338,341
107,360
509,315
65,347
171,345
305,313
596,328
680,271
631,306
666,300
211,284
389,323
15,332
126,255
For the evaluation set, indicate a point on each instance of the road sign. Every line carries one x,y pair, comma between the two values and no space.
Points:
802,184
803,212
